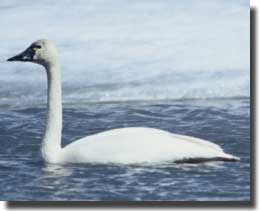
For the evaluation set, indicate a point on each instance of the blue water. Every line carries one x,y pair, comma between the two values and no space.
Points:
24,175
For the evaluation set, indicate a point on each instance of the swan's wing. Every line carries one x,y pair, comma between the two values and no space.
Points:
198,141
140,145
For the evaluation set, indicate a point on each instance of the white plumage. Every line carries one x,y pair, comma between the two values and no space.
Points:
125,145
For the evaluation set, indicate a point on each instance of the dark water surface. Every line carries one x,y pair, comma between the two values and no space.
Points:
24,176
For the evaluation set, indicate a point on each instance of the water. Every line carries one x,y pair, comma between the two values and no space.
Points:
24,176
181,66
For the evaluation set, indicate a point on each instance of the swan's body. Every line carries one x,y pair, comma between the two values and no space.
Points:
126,145
140,145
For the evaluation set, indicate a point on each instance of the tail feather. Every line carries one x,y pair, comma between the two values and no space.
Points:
228,157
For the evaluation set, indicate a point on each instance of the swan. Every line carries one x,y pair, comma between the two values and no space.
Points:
131,145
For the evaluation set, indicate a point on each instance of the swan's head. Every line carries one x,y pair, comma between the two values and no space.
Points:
41,52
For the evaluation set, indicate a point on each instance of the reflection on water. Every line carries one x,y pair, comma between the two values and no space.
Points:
52,171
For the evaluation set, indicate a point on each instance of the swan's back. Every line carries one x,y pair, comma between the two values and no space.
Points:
140,145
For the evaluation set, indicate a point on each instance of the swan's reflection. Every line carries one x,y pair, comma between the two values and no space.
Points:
53,171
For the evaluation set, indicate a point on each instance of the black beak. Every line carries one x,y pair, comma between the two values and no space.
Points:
25,56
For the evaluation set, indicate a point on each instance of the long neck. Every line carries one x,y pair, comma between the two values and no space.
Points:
51,144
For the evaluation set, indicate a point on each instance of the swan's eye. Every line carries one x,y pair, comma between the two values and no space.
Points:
35,47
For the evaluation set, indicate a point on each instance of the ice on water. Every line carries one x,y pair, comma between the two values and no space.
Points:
129,50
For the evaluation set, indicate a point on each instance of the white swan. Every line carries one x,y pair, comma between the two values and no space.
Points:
126,145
